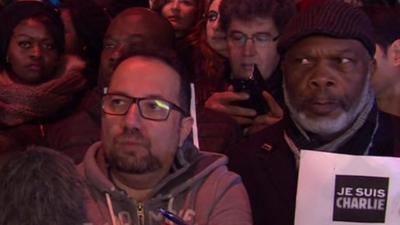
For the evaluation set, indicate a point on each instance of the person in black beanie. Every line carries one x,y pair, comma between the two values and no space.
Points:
327,62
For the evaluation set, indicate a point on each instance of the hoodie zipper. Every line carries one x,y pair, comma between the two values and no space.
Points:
140,213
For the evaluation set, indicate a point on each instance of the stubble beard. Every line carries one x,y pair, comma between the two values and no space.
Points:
133,163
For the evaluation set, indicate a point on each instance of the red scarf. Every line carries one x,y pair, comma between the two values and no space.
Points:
21,103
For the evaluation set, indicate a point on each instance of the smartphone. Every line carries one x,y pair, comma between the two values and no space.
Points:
253,87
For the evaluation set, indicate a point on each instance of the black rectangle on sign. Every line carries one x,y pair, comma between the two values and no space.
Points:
360,199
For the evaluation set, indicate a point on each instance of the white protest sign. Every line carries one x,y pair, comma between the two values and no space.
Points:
339,189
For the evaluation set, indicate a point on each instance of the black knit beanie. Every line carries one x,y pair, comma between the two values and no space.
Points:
15,12
333,18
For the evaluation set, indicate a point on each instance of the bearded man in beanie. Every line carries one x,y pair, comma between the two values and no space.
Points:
327,62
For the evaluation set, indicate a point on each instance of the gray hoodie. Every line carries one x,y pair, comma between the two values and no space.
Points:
199,189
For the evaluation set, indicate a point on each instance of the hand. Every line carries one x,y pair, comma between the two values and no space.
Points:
222,102
274,115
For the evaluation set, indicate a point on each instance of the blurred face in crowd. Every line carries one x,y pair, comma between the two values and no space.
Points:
326,83
252,43
138,145
31,53
386,73
216,38
72,43
181,14
125,32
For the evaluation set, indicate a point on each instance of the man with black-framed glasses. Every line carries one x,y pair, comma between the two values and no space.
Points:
151,108
145,162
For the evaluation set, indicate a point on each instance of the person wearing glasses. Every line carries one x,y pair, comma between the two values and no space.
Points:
146,162
252,28
206,59
327,63
132,28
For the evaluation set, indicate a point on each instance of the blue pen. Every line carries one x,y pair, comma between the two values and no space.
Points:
170,216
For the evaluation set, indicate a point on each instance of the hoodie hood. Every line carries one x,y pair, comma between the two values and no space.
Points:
197,189
190,165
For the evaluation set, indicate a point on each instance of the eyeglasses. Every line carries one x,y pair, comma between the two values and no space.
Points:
149,108
239,39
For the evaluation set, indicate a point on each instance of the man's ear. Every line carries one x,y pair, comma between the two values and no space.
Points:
394,52
185,129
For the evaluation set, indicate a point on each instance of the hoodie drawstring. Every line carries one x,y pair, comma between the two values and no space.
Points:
111,209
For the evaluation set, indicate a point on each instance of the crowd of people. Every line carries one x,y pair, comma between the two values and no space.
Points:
97,110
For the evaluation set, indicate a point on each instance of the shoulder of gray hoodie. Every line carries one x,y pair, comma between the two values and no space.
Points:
199,189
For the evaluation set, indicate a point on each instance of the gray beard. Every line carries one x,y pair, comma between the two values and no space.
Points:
327,126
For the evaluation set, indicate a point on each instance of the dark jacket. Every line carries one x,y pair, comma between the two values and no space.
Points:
218,131
268,167
70,135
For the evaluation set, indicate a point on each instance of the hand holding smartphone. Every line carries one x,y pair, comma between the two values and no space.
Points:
253,87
